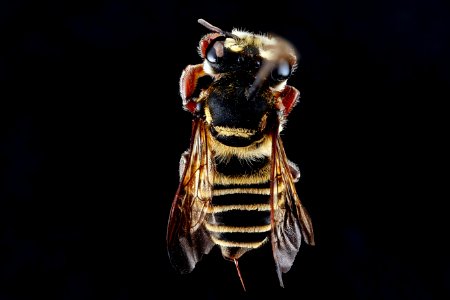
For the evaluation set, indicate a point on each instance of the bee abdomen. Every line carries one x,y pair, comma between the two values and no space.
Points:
240,219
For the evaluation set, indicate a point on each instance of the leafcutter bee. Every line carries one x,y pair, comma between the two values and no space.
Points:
237,187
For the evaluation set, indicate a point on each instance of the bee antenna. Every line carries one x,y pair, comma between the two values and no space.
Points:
217,29
210,26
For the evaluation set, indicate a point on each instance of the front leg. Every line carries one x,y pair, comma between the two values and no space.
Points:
189,86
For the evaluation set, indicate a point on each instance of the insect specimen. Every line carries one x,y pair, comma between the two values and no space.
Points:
237,186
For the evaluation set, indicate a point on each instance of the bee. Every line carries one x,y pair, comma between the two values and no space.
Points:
237,187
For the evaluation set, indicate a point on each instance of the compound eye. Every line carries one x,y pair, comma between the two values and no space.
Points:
215,51
282,71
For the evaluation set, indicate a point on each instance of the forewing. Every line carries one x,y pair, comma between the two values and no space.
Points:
290,220
187,239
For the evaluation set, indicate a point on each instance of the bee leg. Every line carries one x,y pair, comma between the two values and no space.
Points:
289,98
188,86
183,161
295,171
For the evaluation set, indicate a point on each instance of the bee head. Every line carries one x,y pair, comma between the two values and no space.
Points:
249,72
266,58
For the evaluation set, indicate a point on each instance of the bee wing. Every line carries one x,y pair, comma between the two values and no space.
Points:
290,220
187,239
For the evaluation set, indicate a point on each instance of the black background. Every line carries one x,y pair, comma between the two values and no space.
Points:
92,130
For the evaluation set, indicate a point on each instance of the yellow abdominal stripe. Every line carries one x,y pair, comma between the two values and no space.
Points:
252,245
247,229
262,176
257,191
222,208
241,132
